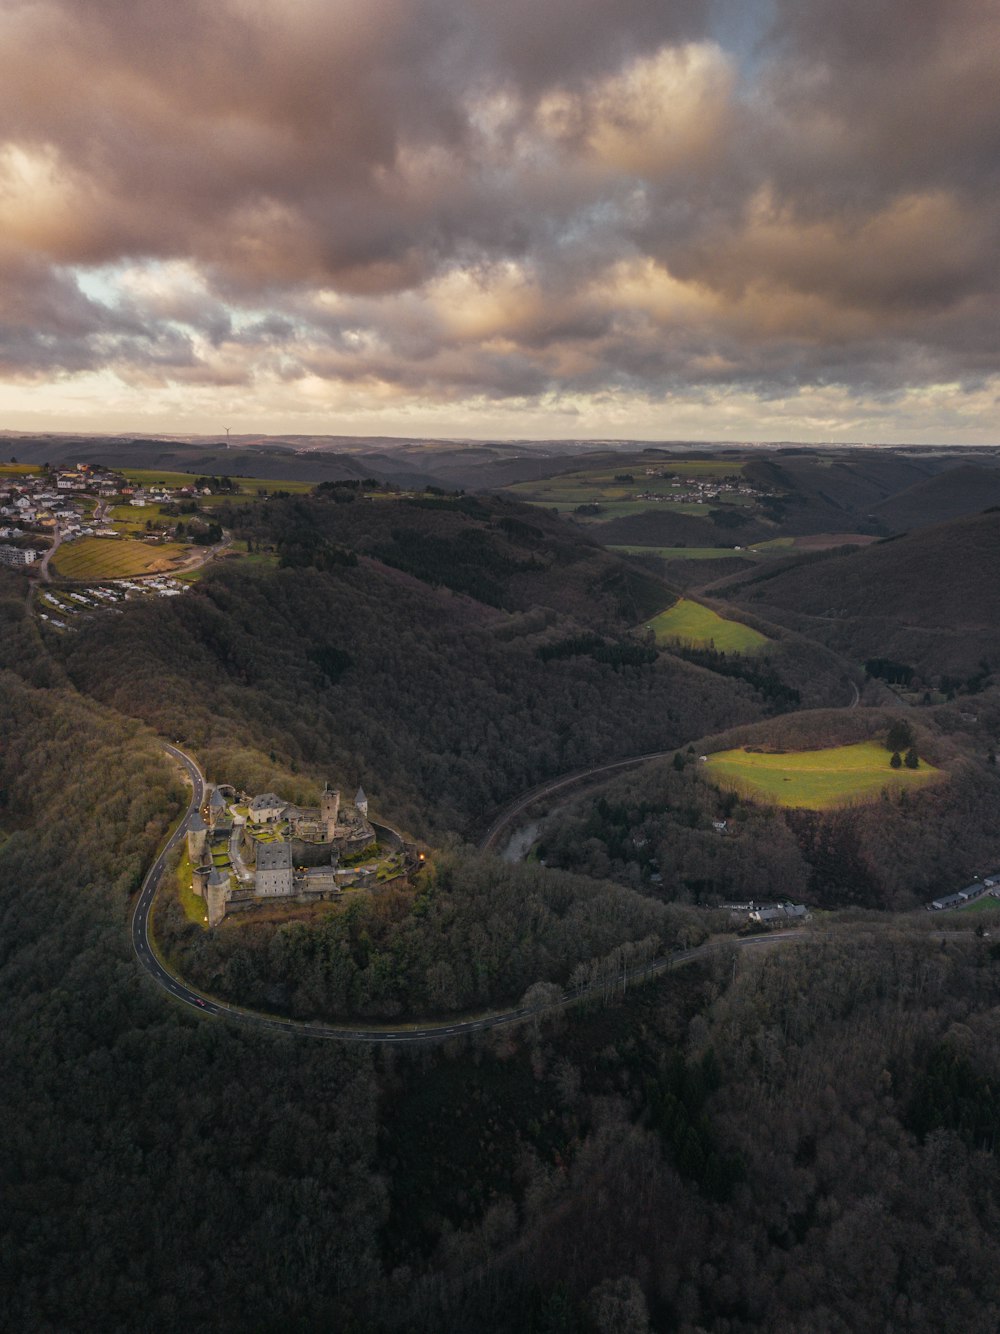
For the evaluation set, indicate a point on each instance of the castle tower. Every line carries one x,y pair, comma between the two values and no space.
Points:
196,836
361,801
329,809
199,879
216,807
217,894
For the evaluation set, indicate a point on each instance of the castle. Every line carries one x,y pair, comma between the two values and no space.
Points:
246,852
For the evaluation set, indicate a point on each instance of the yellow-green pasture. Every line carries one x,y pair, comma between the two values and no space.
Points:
192,903
616,509
133,518
115,558
249,486
986,904
814,779
776,547
604,486
690,623
19,469
681,553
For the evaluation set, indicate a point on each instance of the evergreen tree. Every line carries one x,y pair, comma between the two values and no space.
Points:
896,761
900,736
912,759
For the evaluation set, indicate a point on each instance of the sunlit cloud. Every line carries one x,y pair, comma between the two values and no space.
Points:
500,219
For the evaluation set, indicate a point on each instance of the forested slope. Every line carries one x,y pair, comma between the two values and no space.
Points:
502,553
802,1139
894,852
929,598
145,1178
442,708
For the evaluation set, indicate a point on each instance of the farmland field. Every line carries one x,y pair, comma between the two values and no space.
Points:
682,553
114,558
616,488
249,486
986,904
691,623
614,509
814,779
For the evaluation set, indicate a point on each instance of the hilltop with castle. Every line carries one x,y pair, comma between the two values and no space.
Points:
245,851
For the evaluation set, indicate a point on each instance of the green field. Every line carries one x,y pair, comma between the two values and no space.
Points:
192,903
776,547
814,779
19,469
617,498
249,486
690,623
681,553
986,904
115,558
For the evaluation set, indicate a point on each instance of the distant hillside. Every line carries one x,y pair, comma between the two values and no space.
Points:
968,489
502,553
665,527
836,494
929,598
273,461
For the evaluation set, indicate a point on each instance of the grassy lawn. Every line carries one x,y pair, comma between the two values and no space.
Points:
986,904
690,623
814,779
194,907
237,550
682,553
617,509
249,486
604,486
115,558
19,469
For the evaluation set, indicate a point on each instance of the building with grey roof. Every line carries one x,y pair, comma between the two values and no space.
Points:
274,869
267,808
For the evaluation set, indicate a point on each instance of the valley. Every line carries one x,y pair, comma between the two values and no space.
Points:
497,1039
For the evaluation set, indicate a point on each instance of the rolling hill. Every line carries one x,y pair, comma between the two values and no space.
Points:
967,489
929,598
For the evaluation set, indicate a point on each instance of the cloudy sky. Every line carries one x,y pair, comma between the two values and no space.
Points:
649,218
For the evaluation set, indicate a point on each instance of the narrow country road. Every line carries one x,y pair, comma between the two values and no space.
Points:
510,813
43,568
387,1034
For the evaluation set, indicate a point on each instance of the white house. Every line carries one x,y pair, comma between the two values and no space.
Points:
267,808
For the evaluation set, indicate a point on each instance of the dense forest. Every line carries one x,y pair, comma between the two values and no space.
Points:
796,1136
926,599
442,707
788,1140
475,933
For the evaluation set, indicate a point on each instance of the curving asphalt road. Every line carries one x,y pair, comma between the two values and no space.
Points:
510,813
401,1034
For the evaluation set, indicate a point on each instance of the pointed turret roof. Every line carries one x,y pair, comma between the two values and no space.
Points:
359,796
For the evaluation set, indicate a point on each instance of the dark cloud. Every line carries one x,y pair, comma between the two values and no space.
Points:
507,200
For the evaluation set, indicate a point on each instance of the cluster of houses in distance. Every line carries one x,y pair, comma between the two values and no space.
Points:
699,490
35,505
988,885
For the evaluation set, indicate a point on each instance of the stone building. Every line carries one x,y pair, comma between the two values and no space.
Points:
196,836
216,808
267,808
217,894
274,870
286,851
329,810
